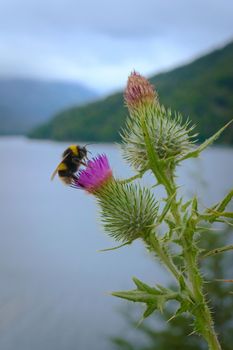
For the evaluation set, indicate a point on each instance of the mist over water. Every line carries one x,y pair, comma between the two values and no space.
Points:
54,283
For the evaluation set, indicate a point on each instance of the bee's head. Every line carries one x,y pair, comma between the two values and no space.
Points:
83,152
82,155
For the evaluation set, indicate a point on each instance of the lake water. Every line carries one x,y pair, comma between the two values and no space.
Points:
54,283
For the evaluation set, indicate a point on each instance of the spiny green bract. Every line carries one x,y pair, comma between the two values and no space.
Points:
170,139
128,211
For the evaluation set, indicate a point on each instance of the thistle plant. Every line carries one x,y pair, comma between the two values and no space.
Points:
156,140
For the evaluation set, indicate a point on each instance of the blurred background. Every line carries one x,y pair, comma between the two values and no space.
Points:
63,67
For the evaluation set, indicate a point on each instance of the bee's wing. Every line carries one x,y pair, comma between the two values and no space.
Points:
56,170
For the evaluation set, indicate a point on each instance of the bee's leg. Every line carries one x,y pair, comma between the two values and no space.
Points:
83,163
74,177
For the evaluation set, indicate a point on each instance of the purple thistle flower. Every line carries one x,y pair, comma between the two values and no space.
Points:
95,175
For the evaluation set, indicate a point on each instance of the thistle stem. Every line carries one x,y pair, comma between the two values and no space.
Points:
164,257
154,161
194,284
201,312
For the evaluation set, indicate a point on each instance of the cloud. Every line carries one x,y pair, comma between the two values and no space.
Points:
99,42
124,18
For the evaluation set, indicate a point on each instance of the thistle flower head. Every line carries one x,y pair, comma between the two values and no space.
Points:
169,137
128,211
95,175
139,92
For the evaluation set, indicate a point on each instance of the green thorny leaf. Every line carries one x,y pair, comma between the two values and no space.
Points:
187,239
185,306
133,178
188,229
186,205
154,298
218,250
114,248
166,208
190,220
217,210
204,145
224,202
165,216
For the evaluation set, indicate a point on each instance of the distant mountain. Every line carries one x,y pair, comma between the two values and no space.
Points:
202,90
25,103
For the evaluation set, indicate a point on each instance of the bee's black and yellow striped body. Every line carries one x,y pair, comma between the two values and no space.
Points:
73,157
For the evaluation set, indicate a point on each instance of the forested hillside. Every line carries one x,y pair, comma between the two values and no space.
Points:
201,90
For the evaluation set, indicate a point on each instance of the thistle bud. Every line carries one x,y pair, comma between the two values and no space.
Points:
169,137
139,92
128,212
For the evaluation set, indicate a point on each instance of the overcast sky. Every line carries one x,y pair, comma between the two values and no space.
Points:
100,42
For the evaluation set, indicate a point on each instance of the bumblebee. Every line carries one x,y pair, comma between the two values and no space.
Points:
72,158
